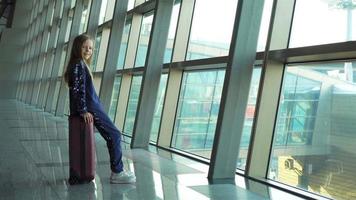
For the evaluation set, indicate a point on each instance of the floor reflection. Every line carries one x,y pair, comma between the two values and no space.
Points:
34,165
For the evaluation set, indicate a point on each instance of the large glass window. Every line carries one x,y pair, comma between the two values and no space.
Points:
314,135
123,45
144,39
211,30
198,109
158,108
132,105
323,21
172,32
114,97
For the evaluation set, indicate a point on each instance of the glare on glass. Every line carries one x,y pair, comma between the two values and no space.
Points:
323,21
266,16
102,13
211,31
130,4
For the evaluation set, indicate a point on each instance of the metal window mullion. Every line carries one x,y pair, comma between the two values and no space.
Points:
93,17
169,108
114,45
269,91
133,40
123,99
234,98
152,74
105,34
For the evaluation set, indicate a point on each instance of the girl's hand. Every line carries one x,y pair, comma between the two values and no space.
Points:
88,117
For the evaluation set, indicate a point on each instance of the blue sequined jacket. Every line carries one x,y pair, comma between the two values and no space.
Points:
82,95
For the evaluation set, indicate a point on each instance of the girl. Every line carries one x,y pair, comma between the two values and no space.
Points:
85,102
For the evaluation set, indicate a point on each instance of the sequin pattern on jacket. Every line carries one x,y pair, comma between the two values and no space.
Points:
77,88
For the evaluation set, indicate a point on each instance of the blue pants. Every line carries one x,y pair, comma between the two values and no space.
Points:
112,136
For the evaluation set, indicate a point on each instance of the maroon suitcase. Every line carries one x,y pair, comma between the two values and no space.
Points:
81,151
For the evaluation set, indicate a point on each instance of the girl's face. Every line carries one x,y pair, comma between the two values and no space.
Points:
87,50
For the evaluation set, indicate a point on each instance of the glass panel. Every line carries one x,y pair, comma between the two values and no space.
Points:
85,18
158,108
72,4
94,61
61,10
114,98
130,4
123,45
132,105
109,10
323,21
266,17
103,7
211,28
249,118
313,147
172,32
197,112
143,41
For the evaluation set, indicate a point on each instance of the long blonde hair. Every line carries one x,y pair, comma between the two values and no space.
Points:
76,55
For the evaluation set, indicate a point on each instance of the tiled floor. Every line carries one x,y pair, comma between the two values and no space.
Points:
34,165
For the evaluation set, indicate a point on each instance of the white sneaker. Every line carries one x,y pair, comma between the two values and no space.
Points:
122,177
